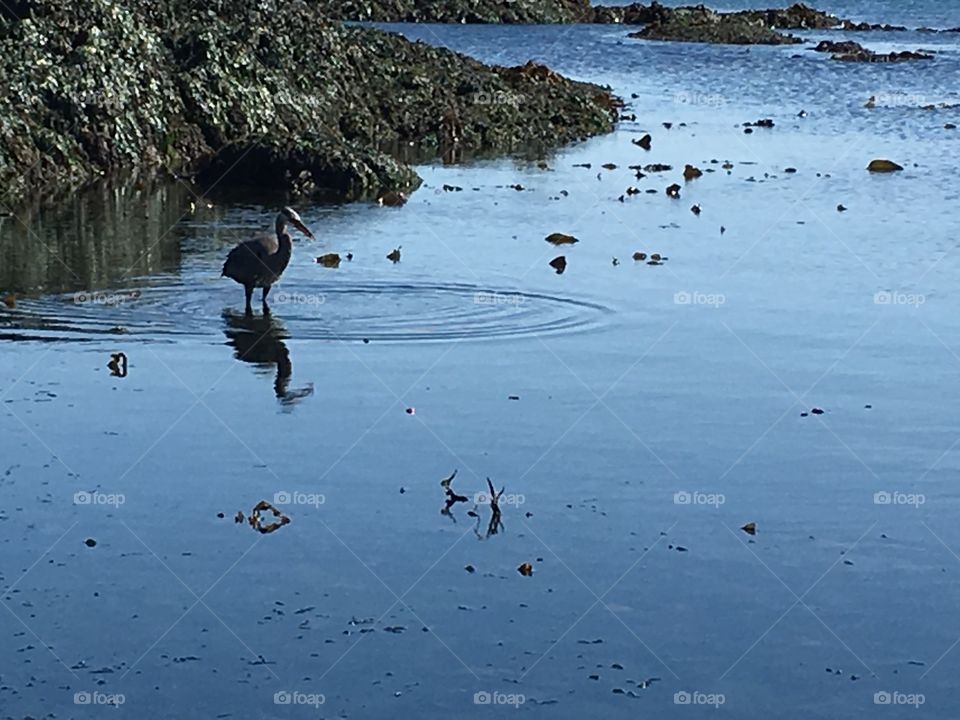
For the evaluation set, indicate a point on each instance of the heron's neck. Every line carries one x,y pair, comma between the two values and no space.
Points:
285,244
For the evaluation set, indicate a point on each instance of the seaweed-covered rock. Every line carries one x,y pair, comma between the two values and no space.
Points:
851,51
701,24
796,17
865,27
633,14
290,97
460,11
319,166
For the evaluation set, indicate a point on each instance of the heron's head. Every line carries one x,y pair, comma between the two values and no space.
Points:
289,215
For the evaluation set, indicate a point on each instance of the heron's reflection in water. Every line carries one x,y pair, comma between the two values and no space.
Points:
259,340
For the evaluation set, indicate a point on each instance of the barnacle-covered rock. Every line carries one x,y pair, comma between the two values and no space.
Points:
293,98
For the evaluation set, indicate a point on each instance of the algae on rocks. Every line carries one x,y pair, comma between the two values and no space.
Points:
257,92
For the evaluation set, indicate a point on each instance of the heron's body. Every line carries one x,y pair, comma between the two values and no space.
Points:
260,263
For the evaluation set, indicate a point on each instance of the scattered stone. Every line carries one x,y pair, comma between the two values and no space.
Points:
330,260
883,166
392,199
559,264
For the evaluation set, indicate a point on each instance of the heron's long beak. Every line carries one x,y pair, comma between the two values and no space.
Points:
303,228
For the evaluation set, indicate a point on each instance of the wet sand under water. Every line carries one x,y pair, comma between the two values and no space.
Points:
658,411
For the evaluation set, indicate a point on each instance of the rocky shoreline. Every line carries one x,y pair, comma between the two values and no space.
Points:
692,23
237,93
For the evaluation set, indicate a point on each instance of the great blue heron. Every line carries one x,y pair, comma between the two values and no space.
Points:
259,263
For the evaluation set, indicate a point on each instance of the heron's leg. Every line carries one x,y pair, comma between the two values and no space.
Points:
266,291
248,290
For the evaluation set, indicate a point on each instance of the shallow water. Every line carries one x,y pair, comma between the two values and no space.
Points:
659,408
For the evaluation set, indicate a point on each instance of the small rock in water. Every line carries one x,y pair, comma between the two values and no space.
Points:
883,166
90,542
559,264
392,199
561,239
644,142
673,191
330,260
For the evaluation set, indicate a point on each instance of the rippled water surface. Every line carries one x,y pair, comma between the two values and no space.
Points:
637,416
